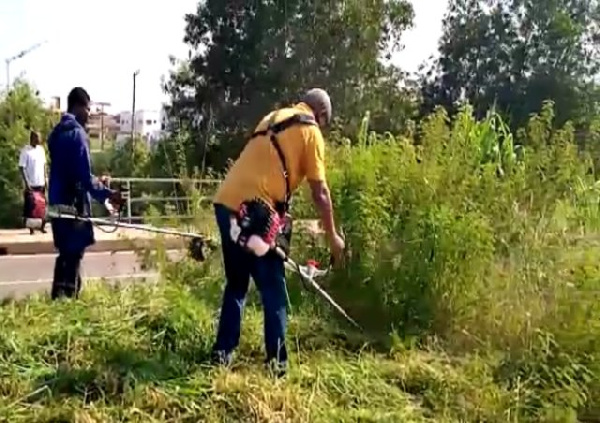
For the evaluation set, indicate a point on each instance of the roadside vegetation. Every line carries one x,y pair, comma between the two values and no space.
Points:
468,194
473,268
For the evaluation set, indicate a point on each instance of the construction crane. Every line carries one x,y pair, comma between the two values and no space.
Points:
19,56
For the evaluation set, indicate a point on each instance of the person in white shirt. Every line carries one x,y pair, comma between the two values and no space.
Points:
32,164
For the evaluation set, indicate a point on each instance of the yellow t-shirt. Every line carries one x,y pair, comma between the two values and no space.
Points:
258,172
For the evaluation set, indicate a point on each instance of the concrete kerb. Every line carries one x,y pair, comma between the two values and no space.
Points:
120,243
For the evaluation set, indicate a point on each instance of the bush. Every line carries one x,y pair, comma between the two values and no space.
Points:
463,237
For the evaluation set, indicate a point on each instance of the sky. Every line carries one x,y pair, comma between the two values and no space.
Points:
100,47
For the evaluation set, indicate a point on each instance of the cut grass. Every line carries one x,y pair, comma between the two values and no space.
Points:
139,354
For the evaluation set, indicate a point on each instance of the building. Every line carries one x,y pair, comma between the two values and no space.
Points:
148,125
53,103
103,126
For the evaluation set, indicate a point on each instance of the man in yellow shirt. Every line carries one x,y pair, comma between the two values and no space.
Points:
286,148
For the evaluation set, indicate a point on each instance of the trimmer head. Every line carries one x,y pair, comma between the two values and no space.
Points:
310,271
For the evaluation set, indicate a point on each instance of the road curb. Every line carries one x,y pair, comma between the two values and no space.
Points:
124,244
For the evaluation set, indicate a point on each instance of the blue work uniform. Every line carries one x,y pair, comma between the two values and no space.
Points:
71,183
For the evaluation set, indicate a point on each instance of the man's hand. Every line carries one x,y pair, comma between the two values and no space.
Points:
322,199
116,200
337,247
105,179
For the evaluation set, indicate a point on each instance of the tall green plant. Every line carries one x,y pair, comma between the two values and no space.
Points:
480,239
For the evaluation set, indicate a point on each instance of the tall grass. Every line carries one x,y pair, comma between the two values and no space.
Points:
139,354
473,265
481,241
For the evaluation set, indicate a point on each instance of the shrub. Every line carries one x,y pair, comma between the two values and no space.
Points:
481,240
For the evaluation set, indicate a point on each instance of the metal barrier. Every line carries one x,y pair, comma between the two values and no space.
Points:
128,182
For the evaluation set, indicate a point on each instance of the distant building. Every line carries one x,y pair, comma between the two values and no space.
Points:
53,103
99,123
149,125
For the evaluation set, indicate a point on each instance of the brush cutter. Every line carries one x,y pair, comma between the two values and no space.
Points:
196,246
196,250
259,246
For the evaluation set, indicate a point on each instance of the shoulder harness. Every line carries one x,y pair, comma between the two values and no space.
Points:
272,130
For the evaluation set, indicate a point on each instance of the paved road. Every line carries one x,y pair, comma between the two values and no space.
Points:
17,242
27,262
21,275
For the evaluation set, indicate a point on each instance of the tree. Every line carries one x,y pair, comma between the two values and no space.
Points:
515,54
252,56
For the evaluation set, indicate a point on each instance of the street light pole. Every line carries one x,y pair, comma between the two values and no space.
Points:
135,74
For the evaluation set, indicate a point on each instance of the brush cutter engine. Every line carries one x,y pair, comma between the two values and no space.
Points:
258,228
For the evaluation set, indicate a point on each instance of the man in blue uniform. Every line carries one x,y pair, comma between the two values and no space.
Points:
72,184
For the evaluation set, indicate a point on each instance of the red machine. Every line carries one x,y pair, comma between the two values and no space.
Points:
36,210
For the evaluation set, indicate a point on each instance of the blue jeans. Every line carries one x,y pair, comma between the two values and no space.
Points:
268,273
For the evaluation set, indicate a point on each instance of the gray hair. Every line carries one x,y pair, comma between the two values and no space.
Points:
318,100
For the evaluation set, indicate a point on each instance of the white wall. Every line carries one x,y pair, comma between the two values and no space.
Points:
148,122
148,125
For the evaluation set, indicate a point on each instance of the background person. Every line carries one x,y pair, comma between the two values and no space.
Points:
72,184
32,165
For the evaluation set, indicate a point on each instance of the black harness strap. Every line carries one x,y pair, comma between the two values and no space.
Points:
275,128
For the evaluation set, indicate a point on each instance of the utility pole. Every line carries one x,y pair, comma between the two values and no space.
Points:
135,74
16,57
102,104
